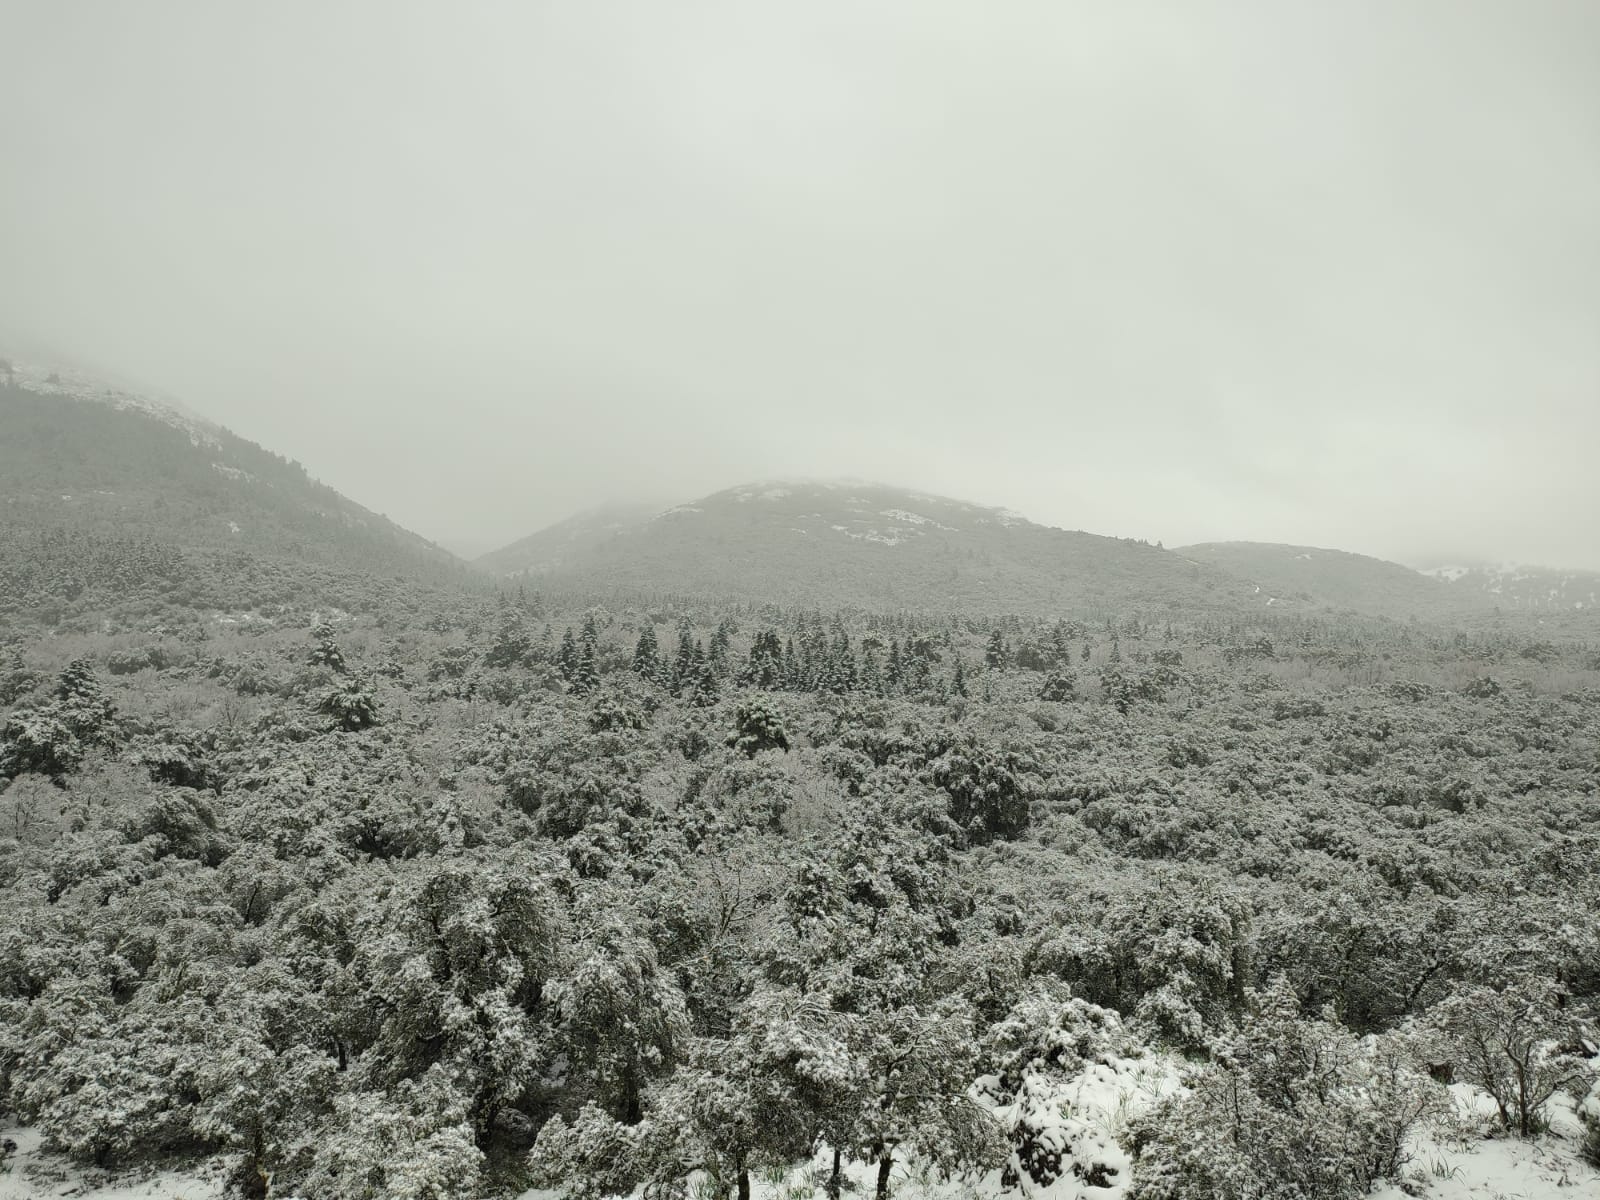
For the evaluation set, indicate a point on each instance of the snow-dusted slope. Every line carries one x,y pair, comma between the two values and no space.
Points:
856,543
1522,587
1334,579
50,380
80,456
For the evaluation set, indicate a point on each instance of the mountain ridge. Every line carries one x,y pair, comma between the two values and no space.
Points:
855,541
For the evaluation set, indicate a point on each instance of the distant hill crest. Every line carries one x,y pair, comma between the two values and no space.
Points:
73,384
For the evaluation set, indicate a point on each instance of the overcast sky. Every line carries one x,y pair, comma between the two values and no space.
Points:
1287,270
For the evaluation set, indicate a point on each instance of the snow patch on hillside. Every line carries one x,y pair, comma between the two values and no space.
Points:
34,1175
1487,1165
75,385
900,514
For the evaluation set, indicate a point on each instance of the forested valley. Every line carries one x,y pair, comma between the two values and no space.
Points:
363,888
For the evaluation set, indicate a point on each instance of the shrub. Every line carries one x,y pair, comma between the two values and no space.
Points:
1290,1109
1503,1042
351,705
758,726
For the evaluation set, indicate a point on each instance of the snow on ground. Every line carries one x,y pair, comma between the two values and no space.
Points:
1084,1116
1473,1166
911,518
34,1176
1082,1120
77,385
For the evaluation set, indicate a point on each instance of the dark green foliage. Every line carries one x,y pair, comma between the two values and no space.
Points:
182,758
52,740
326,652
990,789
758,726
40,743
1059,686
512,647
799,906
351,704
646,654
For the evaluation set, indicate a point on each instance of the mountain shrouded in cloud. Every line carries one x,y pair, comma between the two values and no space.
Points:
1305,274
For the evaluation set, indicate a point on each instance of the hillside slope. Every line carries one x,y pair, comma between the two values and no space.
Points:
109,493
869,545
116,463
1522,588
1333,579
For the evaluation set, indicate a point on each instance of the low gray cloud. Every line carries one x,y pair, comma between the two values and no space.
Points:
1323,273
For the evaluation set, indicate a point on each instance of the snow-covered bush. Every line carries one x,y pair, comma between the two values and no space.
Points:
1061,1078
757,726
1291,1108
592,1157
415,1143
350,704
1505,1043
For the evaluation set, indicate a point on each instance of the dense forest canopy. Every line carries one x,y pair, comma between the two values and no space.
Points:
490,890
358,874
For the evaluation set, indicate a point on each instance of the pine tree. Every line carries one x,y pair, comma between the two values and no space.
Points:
959,683
511,646
586,674
326,653
721,642
765,666
683,668
646,656
704,694
998,654
871,674
792,675
894,676
567,656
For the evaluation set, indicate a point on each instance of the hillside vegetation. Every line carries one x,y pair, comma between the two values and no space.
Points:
637,876
848,543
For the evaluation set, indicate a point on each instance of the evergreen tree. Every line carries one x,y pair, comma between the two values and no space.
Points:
326,653
765,667
567,656
998,654
646,656
871,673
793,677
586,673
721,642
704,694
511,647
683,669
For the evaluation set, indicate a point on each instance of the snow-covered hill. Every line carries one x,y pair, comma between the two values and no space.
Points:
81,456
1522,587
852,542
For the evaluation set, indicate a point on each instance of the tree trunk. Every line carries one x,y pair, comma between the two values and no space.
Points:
885,1161
744,1182
833,1179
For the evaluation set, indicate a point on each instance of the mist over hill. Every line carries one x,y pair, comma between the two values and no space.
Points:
105,492
858,543
109,461
368,833
83,460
